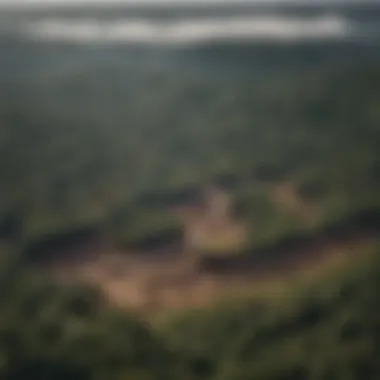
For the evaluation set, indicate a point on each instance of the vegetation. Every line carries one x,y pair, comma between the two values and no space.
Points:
73,158
56,332
103,142
328,329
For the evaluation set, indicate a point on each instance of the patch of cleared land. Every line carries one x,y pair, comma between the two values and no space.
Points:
173,279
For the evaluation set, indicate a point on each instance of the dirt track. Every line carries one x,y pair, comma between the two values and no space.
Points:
173,280
176,278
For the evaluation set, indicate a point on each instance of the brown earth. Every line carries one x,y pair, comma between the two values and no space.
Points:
177,278
162,281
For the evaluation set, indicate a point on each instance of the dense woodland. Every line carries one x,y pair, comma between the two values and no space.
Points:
82,150
327,329
104,146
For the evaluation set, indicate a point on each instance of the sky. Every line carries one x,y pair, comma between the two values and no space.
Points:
80,2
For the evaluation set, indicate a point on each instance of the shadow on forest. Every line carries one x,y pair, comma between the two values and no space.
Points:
286,253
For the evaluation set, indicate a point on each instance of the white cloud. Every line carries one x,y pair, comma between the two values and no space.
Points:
68,2
162,2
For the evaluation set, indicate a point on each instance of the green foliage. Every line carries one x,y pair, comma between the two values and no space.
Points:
322,329
112,147
55,332
69,157
328,330
145,230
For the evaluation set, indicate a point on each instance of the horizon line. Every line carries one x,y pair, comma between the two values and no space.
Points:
51,4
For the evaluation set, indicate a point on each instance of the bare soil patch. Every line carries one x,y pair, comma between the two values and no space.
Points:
178,277
173,280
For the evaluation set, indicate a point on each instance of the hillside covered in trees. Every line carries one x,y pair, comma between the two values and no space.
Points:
83,152
203,212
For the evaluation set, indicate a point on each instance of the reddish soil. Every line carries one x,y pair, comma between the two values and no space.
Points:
150,282
176,278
